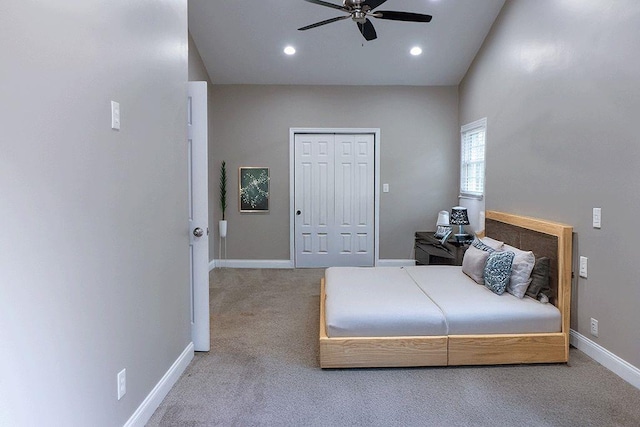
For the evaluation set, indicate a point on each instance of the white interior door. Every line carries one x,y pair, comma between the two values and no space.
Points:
334,200
198,214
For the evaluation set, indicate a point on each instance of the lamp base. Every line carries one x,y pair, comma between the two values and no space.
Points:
462,237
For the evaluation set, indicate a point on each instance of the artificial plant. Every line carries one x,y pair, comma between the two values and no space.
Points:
223,189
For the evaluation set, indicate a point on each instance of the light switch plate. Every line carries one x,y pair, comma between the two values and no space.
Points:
385,188
115,115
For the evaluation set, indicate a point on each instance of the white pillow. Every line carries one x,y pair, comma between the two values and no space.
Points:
473,263
521,268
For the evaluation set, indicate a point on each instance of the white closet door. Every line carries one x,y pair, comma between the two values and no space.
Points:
354,185
334,200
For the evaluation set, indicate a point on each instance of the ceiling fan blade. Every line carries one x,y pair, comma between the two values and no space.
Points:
401,16
328,21
367,30
374,3
327,4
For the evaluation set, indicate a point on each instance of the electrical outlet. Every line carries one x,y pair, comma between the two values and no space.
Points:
115,115
594,327
583,266
122,383
597,217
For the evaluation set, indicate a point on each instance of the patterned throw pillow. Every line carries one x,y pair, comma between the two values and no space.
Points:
497,271
480,245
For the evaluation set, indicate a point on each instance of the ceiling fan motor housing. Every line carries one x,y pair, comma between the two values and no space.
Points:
352,4
358,10
359,16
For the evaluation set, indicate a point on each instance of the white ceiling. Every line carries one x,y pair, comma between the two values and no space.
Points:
242,42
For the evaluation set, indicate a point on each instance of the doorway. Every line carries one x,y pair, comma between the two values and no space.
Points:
334,198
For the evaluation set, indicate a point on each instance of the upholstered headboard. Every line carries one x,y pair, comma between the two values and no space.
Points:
543,238
541,244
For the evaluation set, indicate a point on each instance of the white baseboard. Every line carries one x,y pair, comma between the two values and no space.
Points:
253,263
396,262
285,263
618,366
159,392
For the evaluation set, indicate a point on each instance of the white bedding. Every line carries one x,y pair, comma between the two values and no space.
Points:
425,301
381,301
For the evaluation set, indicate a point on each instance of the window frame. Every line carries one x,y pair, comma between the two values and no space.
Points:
478,125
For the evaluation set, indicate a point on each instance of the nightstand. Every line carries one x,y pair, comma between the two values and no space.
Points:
429,251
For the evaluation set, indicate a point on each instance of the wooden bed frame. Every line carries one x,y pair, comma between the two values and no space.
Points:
544,238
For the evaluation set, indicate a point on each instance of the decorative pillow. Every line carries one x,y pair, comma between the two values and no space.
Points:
473,263
492,243
481,245
539,287
523,263
497,271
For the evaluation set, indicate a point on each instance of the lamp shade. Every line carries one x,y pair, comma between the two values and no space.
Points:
443,218
459,216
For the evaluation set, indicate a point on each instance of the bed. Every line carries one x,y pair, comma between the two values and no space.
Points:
413,316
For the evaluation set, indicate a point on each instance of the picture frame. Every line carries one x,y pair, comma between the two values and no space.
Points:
253,189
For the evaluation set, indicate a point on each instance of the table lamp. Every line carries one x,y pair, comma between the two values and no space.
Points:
460,218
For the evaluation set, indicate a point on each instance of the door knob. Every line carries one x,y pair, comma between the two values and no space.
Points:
298,212
198,232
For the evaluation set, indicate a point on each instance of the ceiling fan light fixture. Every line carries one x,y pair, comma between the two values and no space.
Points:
290,50
416,51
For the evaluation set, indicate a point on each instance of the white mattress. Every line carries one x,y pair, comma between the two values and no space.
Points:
425,301
473,309
375,302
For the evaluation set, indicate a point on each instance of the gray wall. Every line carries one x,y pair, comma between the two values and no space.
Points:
419,156
197,70
562,96
93,263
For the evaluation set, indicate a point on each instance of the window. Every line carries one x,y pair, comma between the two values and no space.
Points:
472,159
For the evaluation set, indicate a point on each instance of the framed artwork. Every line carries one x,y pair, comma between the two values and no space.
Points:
253,189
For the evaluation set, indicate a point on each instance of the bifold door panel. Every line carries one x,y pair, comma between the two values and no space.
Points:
334,200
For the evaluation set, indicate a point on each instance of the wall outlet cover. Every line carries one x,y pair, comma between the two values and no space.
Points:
122,383
594,327
597,217
583,266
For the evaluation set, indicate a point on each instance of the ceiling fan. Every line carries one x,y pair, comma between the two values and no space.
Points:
360,10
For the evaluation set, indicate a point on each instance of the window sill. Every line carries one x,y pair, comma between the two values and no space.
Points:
471,196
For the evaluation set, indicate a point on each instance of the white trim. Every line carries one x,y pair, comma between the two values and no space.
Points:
471,196
376,191
254,263
618,366
212,264
285,263
474,125
160,391
478,124
396,262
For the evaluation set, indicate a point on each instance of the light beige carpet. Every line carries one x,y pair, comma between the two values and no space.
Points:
263,371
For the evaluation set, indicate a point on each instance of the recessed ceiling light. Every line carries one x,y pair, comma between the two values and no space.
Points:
415,51
289,50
